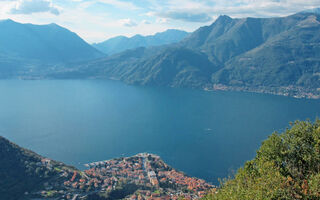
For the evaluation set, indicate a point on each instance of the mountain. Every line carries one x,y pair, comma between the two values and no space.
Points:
45,43
122,43
286,56
174,67
271,55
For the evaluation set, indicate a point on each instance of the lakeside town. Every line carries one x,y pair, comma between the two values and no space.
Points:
140,177
290,91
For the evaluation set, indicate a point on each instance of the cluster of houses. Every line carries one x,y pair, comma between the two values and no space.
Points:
154,179
150,171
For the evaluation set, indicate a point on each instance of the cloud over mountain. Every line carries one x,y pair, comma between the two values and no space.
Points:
186,16
97,20
127,22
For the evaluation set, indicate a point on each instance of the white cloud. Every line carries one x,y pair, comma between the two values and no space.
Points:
203,10
187,16
120,4
34,6
162,20
128,22
88,19
145,22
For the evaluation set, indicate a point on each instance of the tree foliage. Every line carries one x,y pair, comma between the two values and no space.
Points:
287,166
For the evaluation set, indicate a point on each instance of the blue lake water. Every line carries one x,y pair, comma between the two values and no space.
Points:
205,134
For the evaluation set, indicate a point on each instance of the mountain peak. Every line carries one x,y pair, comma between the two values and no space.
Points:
48,43
53,24
223,18
7,21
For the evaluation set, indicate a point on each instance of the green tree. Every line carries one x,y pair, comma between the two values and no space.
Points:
287,166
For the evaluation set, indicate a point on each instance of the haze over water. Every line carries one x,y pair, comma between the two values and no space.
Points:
205,134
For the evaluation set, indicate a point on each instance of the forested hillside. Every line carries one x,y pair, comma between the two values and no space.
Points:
287,166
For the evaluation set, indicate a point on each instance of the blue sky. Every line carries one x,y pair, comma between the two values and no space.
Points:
97,20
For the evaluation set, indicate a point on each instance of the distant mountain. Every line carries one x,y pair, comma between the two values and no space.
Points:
289,56
314,10
273,55
175,67
122,43
46,43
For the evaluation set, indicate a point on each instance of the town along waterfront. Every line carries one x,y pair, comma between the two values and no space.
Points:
204,134
148,173
143,176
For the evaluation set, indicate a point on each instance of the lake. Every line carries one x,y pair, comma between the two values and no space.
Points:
205,134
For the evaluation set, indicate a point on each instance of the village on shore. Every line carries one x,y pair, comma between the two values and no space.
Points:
289,91
141,177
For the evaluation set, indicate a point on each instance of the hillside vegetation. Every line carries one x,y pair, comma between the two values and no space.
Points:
287,166
23,171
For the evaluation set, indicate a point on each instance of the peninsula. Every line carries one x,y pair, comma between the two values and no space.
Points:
143,176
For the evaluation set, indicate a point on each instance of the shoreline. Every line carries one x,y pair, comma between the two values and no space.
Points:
287,91
297,92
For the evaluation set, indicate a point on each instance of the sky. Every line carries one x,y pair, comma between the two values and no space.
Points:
98,20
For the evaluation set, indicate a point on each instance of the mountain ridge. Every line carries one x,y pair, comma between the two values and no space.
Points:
224,45
121,43
49,43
